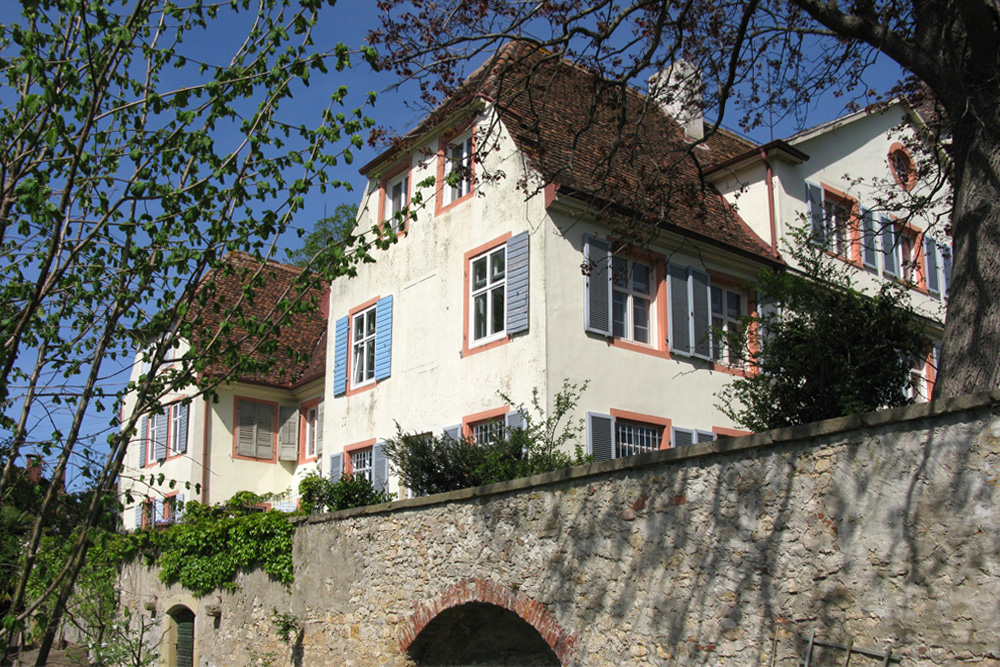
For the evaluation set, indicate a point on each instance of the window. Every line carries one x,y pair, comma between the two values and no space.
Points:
635,438
312,415
255,429
837,229
624,434
361,464
727,313
458,169
488,294
363,346
488,430
631,301
397,197
901,165
363,355
496,292
178,428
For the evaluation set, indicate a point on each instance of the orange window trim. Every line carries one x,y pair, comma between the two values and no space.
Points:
471,420
274,435
442,159
724,432
466,291
662,422
897,147
303,428
350,449
658,263
383,197
351,389
854,245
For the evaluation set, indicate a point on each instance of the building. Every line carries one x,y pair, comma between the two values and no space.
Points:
513,276
264,431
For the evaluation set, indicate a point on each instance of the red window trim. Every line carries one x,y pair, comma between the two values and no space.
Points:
274,435
351,389
304,409
897,147
350,449
723,432
854,246
442,159
466,291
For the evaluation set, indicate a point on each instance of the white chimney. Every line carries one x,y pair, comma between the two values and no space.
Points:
677,88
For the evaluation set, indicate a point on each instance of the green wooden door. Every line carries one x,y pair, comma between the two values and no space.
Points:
185,638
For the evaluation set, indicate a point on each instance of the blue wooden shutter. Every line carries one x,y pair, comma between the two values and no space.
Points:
264,444
817,222
182,439
704,436
946,259
453,432
336,467
383,338
681,436
245,420
380,467
160,446
517,284
143,441
600,436
341,330
288,434
597,258
701,315
869,240
138,516
680,310
890,256
931,262
514,420
157,514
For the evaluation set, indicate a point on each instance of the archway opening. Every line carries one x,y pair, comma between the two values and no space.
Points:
478,633
180,637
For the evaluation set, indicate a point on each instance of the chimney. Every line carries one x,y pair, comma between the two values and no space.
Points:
677,89
33,468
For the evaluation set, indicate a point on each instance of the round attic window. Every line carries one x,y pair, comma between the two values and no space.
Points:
902,167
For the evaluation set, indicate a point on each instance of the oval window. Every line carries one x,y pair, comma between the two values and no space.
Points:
902,167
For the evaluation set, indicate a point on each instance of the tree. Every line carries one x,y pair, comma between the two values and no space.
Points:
129,168
328,230
774,57
827,349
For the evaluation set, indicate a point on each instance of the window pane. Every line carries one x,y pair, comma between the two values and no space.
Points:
619,272
640,317
619,312
716,300
734,305
359,328
498,309
370,367
479,323
497,266
370,325
717,323
359,368
479,274
640,278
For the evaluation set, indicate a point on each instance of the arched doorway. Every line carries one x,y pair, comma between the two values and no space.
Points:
479,633
179,639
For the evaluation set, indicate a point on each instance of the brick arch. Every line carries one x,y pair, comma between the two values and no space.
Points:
531,611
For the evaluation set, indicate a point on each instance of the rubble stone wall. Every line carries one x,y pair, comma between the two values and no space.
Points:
880,528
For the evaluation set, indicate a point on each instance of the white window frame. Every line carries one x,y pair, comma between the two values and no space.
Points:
641,437
151,438
364,457
487,430
838,233
394,206
312,415
458,158
623,286
723,320
174,445
363,348
488,290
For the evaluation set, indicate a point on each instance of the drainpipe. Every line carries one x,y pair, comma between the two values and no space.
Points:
770,202
206,452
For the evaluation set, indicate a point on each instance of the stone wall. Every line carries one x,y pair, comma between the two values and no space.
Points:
882,528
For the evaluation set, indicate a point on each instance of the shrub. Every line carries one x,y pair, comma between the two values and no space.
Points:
436,464
317,492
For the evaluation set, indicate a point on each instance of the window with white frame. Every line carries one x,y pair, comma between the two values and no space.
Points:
631,300
838,218
488,430
397,194
155,427
178,429
312,415
488,295
727,313
458,172
636,437
363,357
361,464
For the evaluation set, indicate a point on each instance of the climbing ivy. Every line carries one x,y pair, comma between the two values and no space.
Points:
206,550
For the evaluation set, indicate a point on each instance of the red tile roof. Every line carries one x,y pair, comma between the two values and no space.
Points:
280,356
605,143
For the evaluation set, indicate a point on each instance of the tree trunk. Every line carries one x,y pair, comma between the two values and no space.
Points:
970,359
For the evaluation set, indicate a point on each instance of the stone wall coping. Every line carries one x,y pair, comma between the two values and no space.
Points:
730,445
